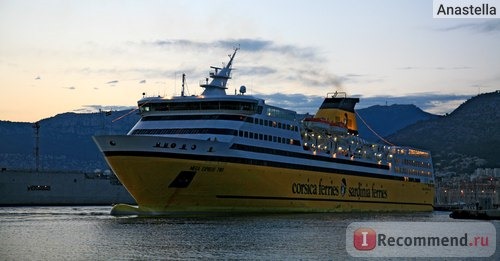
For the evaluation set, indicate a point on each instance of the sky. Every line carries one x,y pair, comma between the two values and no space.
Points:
82,56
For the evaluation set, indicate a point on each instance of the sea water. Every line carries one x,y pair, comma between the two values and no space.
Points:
90,233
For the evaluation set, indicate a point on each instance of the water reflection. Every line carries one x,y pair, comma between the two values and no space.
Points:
91,233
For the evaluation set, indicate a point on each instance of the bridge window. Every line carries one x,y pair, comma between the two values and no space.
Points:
200,105
280,113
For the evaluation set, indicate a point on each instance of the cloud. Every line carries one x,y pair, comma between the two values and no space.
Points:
266,61
490,26
316,78
70,88
249,45
408,68
440,68
441,107
257,70
139,72
258,45
97,108
262,62
453,68
298,102
430,102
38,78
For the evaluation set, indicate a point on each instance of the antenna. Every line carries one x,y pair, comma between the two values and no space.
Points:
183,81
36,126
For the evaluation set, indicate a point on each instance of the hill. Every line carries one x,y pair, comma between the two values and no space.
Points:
387,120
467,138
65,140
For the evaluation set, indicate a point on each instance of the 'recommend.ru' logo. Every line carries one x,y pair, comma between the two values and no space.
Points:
365,239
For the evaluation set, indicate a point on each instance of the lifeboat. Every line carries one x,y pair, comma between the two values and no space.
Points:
324,126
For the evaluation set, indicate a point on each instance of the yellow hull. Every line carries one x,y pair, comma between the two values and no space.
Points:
163,185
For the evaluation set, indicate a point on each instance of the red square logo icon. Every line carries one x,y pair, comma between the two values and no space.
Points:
365,239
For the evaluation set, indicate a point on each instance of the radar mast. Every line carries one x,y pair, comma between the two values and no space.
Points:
219,76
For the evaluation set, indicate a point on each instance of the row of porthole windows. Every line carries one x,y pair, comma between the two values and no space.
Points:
260,136
414,163
412,171
274,124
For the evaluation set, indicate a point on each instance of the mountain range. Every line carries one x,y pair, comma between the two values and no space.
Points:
65,140
465,139
387,120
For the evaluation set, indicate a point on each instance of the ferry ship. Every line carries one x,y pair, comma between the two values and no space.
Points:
234,153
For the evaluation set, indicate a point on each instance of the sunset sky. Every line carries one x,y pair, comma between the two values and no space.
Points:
82,56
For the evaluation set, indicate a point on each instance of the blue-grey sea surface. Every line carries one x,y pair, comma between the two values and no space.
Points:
90,233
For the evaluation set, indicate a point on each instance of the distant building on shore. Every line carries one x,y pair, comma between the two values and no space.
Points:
479,190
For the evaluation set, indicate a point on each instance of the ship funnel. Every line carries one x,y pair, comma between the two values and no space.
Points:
339,110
